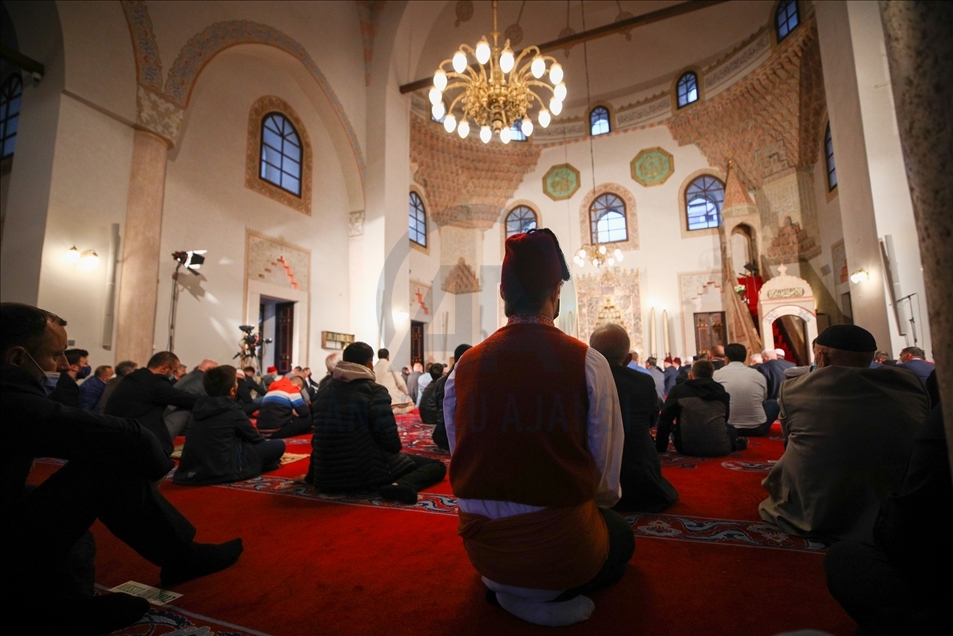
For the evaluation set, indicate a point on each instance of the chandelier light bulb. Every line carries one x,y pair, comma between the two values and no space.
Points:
559,91
485,134
555,106
463,129
610,262
581,254
556,73
459,61
438,110
440,80
618,254
544,118
506,60
595,263
435,95
450,123
505,135
538,67
482,51
602,249
527,126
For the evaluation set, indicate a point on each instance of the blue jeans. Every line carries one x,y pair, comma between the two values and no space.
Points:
270,452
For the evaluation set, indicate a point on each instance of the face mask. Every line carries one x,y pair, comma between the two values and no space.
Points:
50,379
83,372
813,367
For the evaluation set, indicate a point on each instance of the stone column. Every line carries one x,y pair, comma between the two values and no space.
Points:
919,38
138,288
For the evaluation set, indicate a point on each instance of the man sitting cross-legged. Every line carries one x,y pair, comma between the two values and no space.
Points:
356,446
536,439
283,411
849,432
696,415
644,489
145,393
752,413
48,567
222,445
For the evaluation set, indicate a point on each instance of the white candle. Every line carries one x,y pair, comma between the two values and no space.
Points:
651,344
665,336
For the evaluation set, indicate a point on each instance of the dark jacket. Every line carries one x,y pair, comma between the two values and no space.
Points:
644,489
66,391
355,446
143,395
700,408
440,430
39,427
671,375
773,372
921,368
89,393
428,403
220,447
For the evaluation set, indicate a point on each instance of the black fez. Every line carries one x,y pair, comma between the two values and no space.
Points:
847,338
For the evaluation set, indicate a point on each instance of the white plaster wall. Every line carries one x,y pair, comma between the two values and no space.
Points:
88,194
662,253
893,208
100,65
329,31
207,206
830,228
38,32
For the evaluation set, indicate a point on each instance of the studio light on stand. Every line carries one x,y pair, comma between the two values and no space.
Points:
192,261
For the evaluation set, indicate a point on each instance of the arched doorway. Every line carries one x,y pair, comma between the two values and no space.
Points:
795,348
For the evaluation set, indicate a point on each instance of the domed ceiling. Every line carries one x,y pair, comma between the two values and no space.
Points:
618,65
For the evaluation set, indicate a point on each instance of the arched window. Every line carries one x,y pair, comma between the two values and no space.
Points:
599,121
703,199
786,18
520,219
280,153
10,94
687,90
418,220
829,155
607,219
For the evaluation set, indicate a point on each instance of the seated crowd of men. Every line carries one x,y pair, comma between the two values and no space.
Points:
549,437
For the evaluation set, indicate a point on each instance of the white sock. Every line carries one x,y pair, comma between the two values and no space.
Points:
550,614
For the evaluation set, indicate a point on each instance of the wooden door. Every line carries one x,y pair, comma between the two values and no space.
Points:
284,336
709,330
416,342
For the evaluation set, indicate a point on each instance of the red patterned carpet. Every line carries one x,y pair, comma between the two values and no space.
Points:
356,564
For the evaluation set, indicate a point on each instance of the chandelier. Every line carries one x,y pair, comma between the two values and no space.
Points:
498,93
598,256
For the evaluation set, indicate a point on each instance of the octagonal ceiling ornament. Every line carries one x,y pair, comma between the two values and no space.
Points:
652,167
561,182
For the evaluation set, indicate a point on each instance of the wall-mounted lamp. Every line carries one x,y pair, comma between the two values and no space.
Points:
88,259
859,276
400,315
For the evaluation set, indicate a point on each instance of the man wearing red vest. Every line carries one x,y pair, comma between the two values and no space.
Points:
536,437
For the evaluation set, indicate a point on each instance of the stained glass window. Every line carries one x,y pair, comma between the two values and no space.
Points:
10,94
786,18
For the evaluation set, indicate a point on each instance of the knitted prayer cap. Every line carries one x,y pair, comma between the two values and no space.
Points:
847,338
533,263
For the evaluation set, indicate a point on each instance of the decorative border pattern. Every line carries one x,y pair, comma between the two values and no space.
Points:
263,106
750,467
750,534
148,62
263,252
631,217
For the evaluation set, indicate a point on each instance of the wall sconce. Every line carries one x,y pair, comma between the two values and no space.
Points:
859,276
86,260
400,315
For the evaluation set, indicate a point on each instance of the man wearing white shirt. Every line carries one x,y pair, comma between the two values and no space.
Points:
750,412
536,437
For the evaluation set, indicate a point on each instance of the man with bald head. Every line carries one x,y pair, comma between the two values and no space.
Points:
849,431
644,489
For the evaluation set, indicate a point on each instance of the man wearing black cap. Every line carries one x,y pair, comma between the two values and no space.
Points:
849,431
536,436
